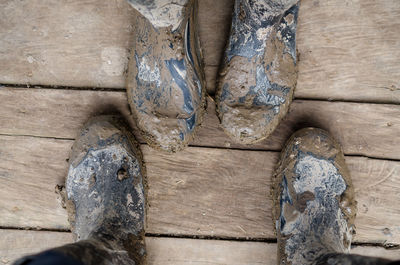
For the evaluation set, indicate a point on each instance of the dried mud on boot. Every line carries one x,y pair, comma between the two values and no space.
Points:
165,84
259,71
106,189
313,199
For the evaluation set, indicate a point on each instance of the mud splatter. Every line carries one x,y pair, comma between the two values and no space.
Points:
147,73
161,13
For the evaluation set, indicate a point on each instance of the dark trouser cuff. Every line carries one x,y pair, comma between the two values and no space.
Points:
86,252
50,257
348,259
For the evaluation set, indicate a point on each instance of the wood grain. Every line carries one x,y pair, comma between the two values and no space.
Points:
169,251
348,49
200,191
72,43
30,168
363,129
226,193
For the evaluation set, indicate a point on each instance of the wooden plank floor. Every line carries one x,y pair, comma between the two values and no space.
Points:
73,56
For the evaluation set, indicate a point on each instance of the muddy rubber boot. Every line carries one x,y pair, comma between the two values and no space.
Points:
106,195
259,71
314,205
165,86
105,199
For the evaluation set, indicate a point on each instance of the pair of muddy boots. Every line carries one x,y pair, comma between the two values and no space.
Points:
314,207
166,87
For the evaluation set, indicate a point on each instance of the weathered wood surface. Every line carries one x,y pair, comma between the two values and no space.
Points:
226,193
72,43
170,251
363,129
29,170
200,191
348,49
17,243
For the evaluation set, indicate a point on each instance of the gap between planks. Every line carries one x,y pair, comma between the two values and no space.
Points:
211,95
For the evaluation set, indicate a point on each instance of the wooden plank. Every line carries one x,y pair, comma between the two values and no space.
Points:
15,244
44,112
372,251
175,251
170,251
363,129
73,43
29,171
349,50
343,55
200,191
214,26
226,193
